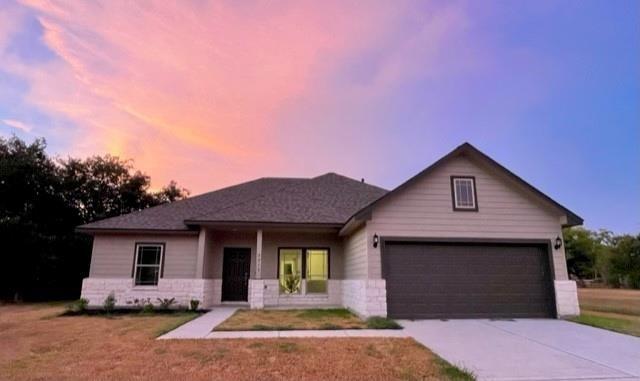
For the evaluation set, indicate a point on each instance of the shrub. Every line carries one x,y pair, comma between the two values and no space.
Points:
193,304
166,303
109,302
78,306
379,322
147,308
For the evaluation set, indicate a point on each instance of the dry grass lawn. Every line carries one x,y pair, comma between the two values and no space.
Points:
36,344
626,302
613,309
279,320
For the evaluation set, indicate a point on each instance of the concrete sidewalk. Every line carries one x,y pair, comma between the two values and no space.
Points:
344,333
199,328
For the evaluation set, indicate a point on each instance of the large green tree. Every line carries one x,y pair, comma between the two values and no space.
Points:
42,200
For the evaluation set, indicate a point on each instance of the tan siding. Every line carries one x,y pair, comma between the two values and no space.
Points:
355,255
424,209
271,241
214,250
113,255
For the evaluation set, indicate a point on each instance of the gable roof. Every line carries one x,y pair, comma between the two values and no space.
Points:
329,200
471,151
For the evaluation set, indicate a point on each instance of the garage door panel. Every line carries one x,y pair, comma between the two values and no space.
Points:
446,280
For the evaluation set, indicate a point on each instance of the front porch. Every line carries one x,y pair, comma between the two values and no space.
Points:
277,267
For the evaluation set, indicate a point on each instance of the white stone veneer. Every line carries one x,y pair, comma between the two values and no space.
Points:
366,297
266,293
207,291
566,298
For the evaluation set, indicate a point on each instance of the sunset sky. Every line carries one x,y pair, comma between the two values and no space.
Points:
214,93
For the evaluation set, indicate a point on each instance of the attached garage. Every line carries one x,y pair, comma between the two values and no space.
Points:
427,280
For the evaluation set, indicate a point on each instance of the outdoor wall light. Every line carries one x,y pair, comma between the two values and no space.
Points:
376,239
558,243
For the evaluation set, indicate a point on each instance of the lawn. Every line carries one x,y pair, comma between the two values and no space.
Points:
613,309
281,320
37,344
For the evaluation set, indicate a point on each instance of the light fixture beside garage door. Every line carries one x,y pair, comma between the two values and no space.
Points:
376,239
558,243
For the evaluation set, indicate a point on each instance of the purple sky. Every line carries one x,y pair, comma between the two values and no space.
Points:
211,94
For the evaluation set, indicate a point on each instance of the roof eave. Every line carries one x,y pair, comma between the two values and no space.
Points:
94,231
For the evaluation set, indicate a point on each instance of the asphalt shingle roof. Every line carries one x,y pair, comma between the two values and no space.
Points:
326,199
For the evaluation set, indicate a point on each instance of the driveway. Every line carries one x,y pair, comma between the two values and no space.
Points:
531,349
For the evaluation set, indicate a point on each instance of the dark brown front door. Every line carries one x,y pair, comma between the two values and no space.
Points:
467,280
235,274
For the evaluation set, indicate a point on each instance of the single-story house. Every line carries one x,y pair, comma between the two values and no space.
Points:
464,238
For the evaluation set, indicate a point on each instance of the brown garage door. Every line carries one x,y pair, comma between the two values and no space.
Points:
461,280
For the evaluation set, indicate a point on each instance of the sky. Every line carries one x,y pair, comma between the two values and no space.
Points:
215,93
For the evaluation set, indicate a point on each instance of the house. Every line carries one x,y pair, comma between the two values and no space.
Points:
463,238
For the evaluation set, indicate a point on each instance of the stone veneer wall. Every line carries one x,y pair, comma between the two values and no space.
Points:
365,297
266,293
566,298
207,291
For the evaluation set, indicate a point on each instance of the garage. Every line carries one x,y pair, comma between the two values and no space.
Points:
441,280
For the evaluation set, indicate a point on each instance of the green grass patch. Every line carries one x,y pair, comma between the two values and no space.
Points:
180,319
621,324
453,373
319,313
379,322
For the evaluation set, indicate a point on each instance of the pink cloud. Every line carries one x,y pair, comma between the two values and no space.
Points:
197,91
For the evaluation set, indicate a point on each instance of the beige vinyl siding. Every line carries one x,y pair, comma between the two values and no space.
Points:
214,250
355,255
113,255
271,241
505,210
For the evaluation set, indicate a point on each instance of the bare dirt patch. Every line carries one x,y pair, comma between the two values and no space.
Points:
279,320
35,344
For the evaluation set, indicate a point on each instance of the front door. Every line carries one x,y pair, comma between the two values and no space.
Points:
235,274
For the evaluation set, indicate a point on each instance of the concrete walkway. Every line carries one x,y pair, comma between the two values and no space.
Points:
531,349
199,328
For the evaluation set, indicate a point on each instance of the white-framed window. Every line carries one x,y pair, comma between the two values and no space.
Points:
147,266
463,191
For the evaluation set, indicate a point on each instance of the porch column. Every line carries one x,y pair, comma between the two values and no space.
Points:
259,255
202,240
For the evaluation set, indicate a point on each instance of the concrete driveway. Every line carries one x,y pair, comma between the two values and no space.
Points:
531,349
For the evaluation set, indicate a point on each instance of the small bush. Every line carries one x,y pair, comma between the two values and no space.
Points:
379,322
147,308
77,307
193,304
166,303
109,302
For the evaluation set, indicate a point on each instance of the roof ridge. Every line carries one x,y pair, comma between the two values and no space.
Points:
350,179
241,202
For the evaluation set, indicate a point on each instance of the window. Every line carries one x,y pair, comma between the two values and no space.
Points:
317,271
463,191
298,267
148,264
290,271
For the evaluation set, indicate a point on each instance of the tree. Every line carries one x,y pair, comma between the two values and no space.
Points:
585,252
42,201
625,262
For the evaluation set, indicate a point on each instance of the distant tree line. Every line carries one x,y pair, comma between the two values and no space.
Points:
43,199
604,257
